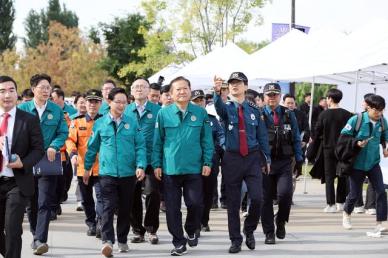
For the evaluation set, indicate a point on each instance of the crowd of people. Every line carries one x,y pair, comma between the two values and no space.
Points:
168,142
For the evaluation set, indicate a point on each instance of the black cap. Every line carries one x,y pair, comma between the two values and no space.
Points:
197,93
238,76
272,87
93,94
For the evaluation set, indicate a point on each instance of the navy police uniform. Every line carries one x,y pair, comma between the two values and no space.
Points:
285,144
236,167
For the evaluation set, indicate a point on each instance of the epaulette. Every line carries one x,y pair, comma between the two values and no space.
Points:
210,115
251,104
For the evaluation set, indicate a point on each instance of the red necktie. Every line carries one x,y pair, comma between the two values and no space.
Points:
3,131
275,118
242,133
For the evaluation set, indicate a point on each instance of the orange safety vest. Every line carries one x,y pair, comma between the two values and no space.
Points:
79,133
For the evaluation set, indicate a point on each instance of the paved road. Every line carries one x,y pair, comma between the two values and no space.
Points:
310,233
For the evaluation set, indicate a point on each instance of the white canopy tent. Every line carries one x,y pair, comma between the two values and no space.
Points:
167,71
221,62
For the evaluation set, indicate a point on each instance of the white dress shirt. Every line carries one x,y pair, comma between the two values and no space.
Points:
40,109
11,122
141,108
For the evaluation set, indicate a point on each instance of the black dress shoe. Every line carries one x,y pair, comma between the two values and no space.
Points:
250,241
91,231
280,230
270,239
235,248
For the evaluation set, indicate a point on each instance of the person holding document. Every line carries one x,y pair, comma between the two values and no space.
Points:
21,143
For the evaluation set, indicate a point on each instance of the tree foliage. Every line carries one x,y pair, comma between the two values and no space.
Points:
37,23
320,90
7,17
250,46
124,38
70,60
159,49
205,23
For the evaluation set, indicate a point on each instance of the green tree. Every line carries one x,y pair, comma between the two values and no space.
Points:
37,24
159,50
205,23
320,90
94,35
124,40
7,17
251,47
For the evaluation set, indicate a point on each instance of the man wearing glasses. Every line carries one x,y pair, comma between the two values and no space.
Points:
55,132
122,159
145,112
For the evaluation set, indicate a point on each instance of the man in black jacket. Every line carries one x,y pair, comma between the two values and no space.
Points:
20,136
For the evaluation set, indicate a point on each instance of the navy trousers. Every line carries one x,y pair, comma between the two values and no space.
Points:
190,185
237,168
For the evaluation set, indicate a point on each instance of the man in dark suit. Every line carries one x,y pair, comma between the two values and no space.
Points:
20,131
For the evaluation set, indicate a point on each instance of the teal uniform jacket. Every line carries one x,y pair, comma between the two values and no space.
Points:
104,108
182,145
146,123
70,110
53,124
120,151
73,116
369,156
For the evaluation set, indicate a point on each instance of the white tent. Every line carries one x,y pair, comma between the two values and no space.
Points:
221,62
167,71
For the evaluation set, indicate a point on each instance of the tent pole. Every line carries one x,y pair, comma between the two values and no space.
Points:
356,98
310,118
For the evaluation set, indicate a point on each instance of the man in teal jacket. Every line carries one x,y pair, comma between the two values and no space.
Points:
183,150
373,129
145,112
105,89
55,132
122,159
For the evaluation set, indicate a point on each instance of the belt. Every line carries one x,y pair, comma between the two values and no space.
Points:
6,179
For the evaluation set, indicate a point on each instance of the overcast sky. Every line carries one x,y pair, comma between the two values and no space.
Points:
341,15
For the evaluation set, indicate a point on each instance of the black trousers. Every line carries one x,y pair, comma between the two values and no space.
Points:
217,160
190,185
41,206
237,168
330,163
116,193
93,210
152,205
64,182
12,206
277,186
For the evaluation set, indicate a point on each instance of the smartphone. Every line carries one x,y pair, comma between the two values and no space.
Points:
368,139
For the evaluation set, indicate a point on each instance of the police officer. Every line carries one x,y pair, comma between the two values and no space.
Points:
79,133
247,152
145,112
122,159
210,182
183,149
55,132
285,144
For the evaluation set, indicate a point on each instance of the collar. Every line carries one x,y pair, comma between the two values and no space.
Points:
12,112
144,105
89,118
269,110
36,105
189,108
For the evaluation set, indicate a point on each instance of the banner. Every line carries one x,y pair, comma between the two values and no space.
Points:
279,29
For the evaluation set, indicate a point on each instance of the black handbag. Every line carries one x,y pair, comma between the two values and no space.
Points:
49,168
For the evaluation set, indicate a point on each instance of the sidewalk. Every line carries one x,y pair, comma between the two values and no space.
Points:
310,233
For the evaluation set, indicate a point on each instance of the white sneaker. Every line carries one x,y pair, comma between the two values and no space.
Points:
371,211
123,248
346,222
107,249
340,207
380,228
330,209
359,209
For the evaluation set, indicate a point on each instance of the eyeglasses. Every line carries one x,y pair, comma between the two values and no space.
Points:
139,87
120,102
377,111
47,88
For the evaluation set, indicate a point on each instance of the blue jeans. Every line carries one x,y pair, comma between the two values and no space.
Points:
356,181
